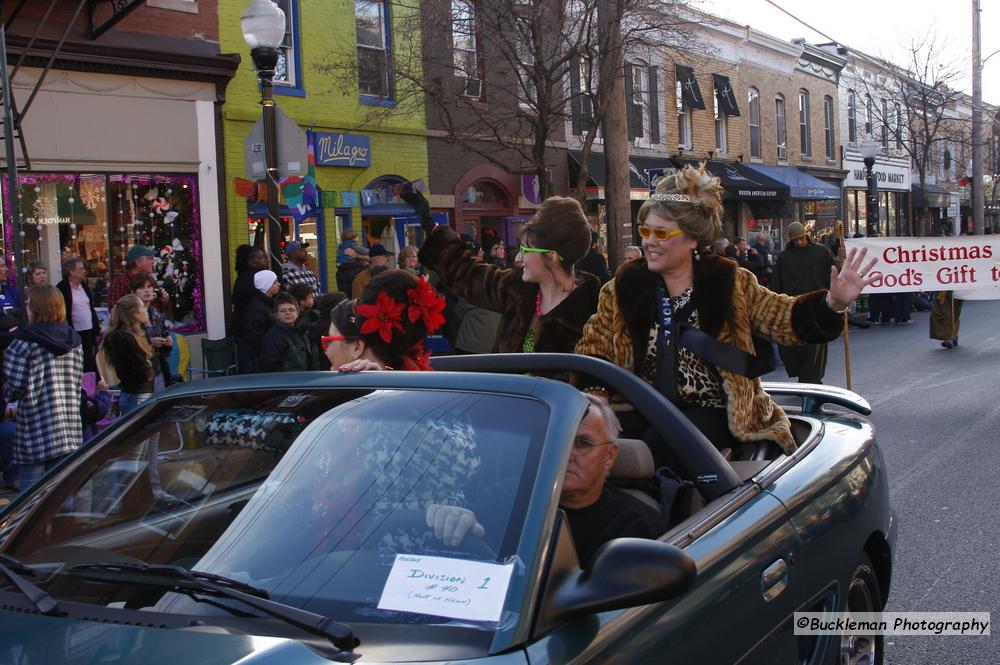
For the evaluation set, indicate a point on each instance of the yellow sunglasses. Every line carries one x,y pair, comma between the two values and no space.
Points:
659,234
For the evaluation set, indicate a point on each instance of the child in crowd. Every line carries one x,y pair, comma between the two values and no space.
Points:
285,348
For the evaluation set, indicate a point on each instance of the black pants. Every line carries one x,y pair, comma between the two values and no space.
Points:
88,341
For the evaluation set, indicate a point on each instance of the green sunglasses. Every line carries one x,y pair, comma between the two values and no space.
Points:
535,250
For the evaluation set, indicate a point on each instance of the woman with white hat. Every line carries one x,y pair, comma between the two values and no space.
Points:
259,317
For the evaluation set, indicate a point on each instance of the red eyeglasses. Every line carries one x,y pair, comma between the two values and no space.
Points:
325,340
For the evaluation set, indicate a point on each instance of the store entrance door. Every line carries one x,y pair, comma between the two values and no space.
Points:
310,229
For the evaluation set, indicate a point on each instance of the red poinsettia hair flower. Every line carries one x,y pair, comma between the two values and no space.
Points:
425,304
418,360
381,317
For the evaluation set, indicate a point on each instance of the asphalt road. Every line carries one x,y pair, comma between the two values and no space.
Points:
937,415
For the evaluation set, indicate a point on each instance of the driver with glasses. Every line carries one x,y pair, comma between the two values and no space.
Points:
597,512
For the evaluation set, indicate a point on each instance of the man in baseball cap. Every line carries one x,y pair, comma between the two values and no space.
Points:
802,267
295,271
138,259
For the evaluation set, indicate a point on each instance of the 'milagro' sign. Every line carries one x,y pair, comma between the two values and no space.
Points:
968,265
353,150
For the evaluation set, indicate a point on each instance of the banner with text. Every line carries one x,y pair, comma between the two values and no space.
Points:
967,265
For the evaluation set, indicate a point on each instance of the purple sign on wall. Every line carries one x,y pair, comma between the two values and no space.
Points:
531,188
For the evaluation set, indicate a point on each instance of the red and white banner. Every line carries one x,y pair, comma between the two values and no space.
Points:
967,265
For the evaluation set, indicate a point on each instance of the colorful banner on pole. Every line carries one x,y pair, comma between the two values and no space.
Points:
967,265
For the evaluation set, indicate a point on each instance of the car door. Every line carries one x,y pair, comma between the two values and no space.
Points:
750,581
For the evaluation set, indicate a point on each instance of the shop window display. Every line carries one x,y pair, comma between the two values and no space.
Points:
98,217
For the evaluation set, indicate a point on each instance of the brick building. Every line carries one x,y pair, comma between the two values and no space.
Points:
119,143
371,116
487,188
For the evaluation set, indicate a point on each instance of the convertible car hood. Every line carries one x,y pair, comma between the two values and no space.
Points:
42,640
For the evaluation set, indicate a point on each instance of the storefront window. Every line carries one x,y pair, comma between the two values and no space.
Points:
98,217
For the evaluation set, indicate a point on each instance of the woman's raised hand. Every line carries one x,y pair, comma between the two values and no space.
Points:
847,283
361,365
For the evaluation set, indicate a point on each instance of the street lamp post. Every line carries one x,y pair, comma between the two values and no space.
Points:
869,148
263,25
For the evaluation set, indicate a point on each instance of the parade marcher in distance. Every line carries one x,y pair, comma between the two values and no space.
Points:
43,366
544,302
638,321
946,311
249,260
386,327
284,347
144,285
139,259
803,267
127,348
80,311
259,317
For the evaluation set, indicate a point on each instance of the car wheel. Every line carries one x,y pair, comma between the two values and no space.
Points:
863,595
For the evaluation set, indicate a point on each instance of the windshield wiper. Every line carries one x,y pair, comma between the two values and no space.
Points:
42,601
191,582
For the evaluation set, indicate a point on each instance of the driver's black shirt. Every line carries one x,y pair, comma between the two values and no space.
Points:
615,514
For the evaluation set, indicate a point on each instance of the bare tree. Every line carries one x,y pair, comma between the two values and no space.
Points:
655,30
493,76
913,105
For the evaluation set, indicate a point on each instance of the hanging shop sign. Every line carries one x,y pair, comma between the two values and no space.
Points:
889,176
351,150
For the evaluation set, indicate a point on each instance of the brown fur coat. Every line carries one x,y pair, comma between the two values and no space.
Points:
733,308
502,290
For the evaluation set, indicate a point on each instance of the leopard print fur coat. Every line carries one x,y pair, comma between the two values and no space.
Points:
733,308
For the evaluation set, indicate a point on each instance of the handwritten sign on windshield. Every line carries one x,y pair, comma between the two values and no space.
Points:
455,588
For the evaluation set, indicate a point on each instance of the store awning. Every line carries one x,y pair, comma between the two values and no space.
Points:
741,183
801,185
638,167
937,197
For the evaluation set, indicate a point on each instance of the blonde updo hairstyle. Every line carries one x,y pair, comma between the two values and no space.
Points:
701,217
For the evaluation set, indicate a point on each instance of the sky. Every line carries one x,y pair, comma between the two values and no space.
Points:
878,27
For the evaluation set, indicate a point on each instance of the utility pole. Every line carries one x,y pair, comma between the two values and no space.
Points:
617,200
978,202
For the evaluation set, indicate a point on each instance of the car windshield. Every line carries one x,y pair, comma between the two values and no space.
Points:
309,495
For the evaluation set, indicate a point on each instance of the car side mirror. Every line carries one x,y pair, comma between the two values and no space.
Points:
626,572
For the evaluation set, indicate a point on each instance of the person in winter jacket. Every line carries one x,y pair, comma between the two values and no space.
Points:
803,267
80,310
249,260
9,295
43,366
285,347
544,302
127,348
144,285
259,317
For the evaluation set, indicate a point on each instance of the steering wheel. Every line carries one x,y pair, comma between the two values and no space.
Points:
416,520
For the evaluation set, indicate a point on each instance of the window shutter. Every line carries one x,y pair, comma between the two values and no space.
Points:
654,105
575,100
629,106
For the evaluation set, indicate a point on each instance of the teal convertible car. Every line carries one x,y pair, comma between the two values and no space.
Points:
282,519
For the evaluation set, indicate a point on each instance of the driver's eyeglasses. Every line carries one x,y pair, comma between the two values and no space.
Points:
586,446
535,250
658,233
326,340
